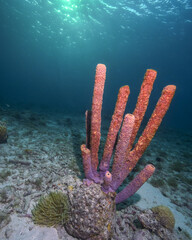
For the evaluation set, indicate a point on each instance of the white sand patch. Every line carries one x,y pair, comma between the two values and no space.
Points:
22,228
151,197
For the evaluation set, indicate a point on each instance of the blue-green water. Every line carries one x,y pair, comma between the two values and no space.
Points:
49,51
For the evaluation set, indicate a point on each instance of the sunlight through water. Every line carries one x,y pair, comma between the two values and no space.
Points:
69,21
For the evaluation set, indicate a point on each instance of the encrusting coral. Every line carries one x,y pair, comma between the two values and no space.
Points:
126,156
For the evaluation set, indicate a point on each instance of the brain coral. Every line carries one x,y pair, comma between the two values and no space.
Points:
164,215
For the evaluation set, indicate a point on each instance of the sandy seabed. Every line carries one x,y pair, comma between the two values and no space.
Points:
43,149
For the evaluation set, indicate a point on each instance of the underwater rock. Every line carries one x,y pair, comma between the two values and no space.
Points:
3,132
7,194
92,214
149,221
8,233
144,234
4,219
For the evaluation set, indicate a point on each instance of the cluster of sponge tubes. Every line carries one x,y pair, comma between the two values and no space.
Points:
126,156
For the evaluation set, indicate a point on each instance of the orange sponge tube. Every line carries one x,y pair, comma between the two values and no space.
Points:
96,114
120,152
154,122
142,102
114,128
86,155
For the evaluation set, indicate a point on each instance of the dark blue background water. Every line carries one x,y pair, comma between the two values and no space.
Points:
49,51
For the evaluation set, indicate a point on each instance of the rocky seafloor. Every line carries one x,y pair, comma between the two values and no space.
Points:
42,154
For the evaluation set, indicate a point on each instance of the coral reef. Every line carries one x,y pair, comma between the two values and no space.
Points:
126,155
51,158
